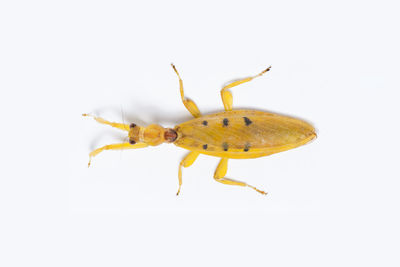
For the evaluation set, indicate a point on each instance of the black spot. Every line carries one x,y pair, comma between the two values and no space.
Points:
132,125
246,147
225,146
132,142
247,121
205,123
205,146
225,122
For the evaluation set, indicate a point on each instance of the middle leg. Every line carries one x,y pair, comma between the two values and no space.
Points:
186,162
189,104
220,172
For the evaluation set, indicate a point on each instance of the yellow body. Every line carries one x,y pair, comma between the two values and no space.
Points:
231,134
245,134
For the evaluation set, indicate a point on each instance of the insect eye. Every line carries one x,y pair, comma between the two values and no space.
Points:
132,142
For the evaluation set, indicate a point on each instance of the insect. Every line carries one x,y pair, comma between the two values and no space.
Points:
231,134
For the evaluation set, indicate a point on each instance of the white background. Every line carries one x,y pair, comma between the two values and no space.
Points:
334,202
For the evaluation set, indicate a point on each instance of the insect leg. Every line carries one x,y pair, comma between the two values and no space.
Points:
226,95
186,162
121,126
120,146
189,104
220,172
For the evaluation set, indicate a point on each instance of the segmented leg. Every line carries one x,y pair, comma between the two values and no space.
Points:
186,162
226,94
119,146
121,126
220,172
189,104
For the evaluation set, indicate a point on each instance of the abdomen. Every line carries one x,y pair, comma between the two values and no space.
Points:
243,134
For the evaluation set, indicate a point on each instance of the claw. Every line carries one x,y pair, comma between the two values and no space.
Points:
90,159
258,190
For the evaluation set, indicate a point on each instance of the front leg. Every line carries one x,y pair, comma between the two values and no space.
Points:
120,146
121,126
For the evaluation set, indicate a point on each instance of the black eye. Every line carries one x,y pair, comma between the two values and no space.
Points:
132,125
132,142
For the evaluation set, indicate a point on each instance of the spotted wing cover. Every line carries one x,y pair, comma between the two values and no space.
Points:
243,134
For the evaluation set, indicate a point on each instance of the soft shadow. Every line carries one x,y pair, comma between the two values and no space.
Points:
145,114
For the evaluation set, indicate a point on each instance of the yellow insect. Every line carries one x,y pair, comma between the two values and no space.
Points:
231,134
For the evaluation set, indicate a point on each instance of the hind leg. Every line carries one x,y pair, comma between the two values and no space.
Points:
226,94
220,172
